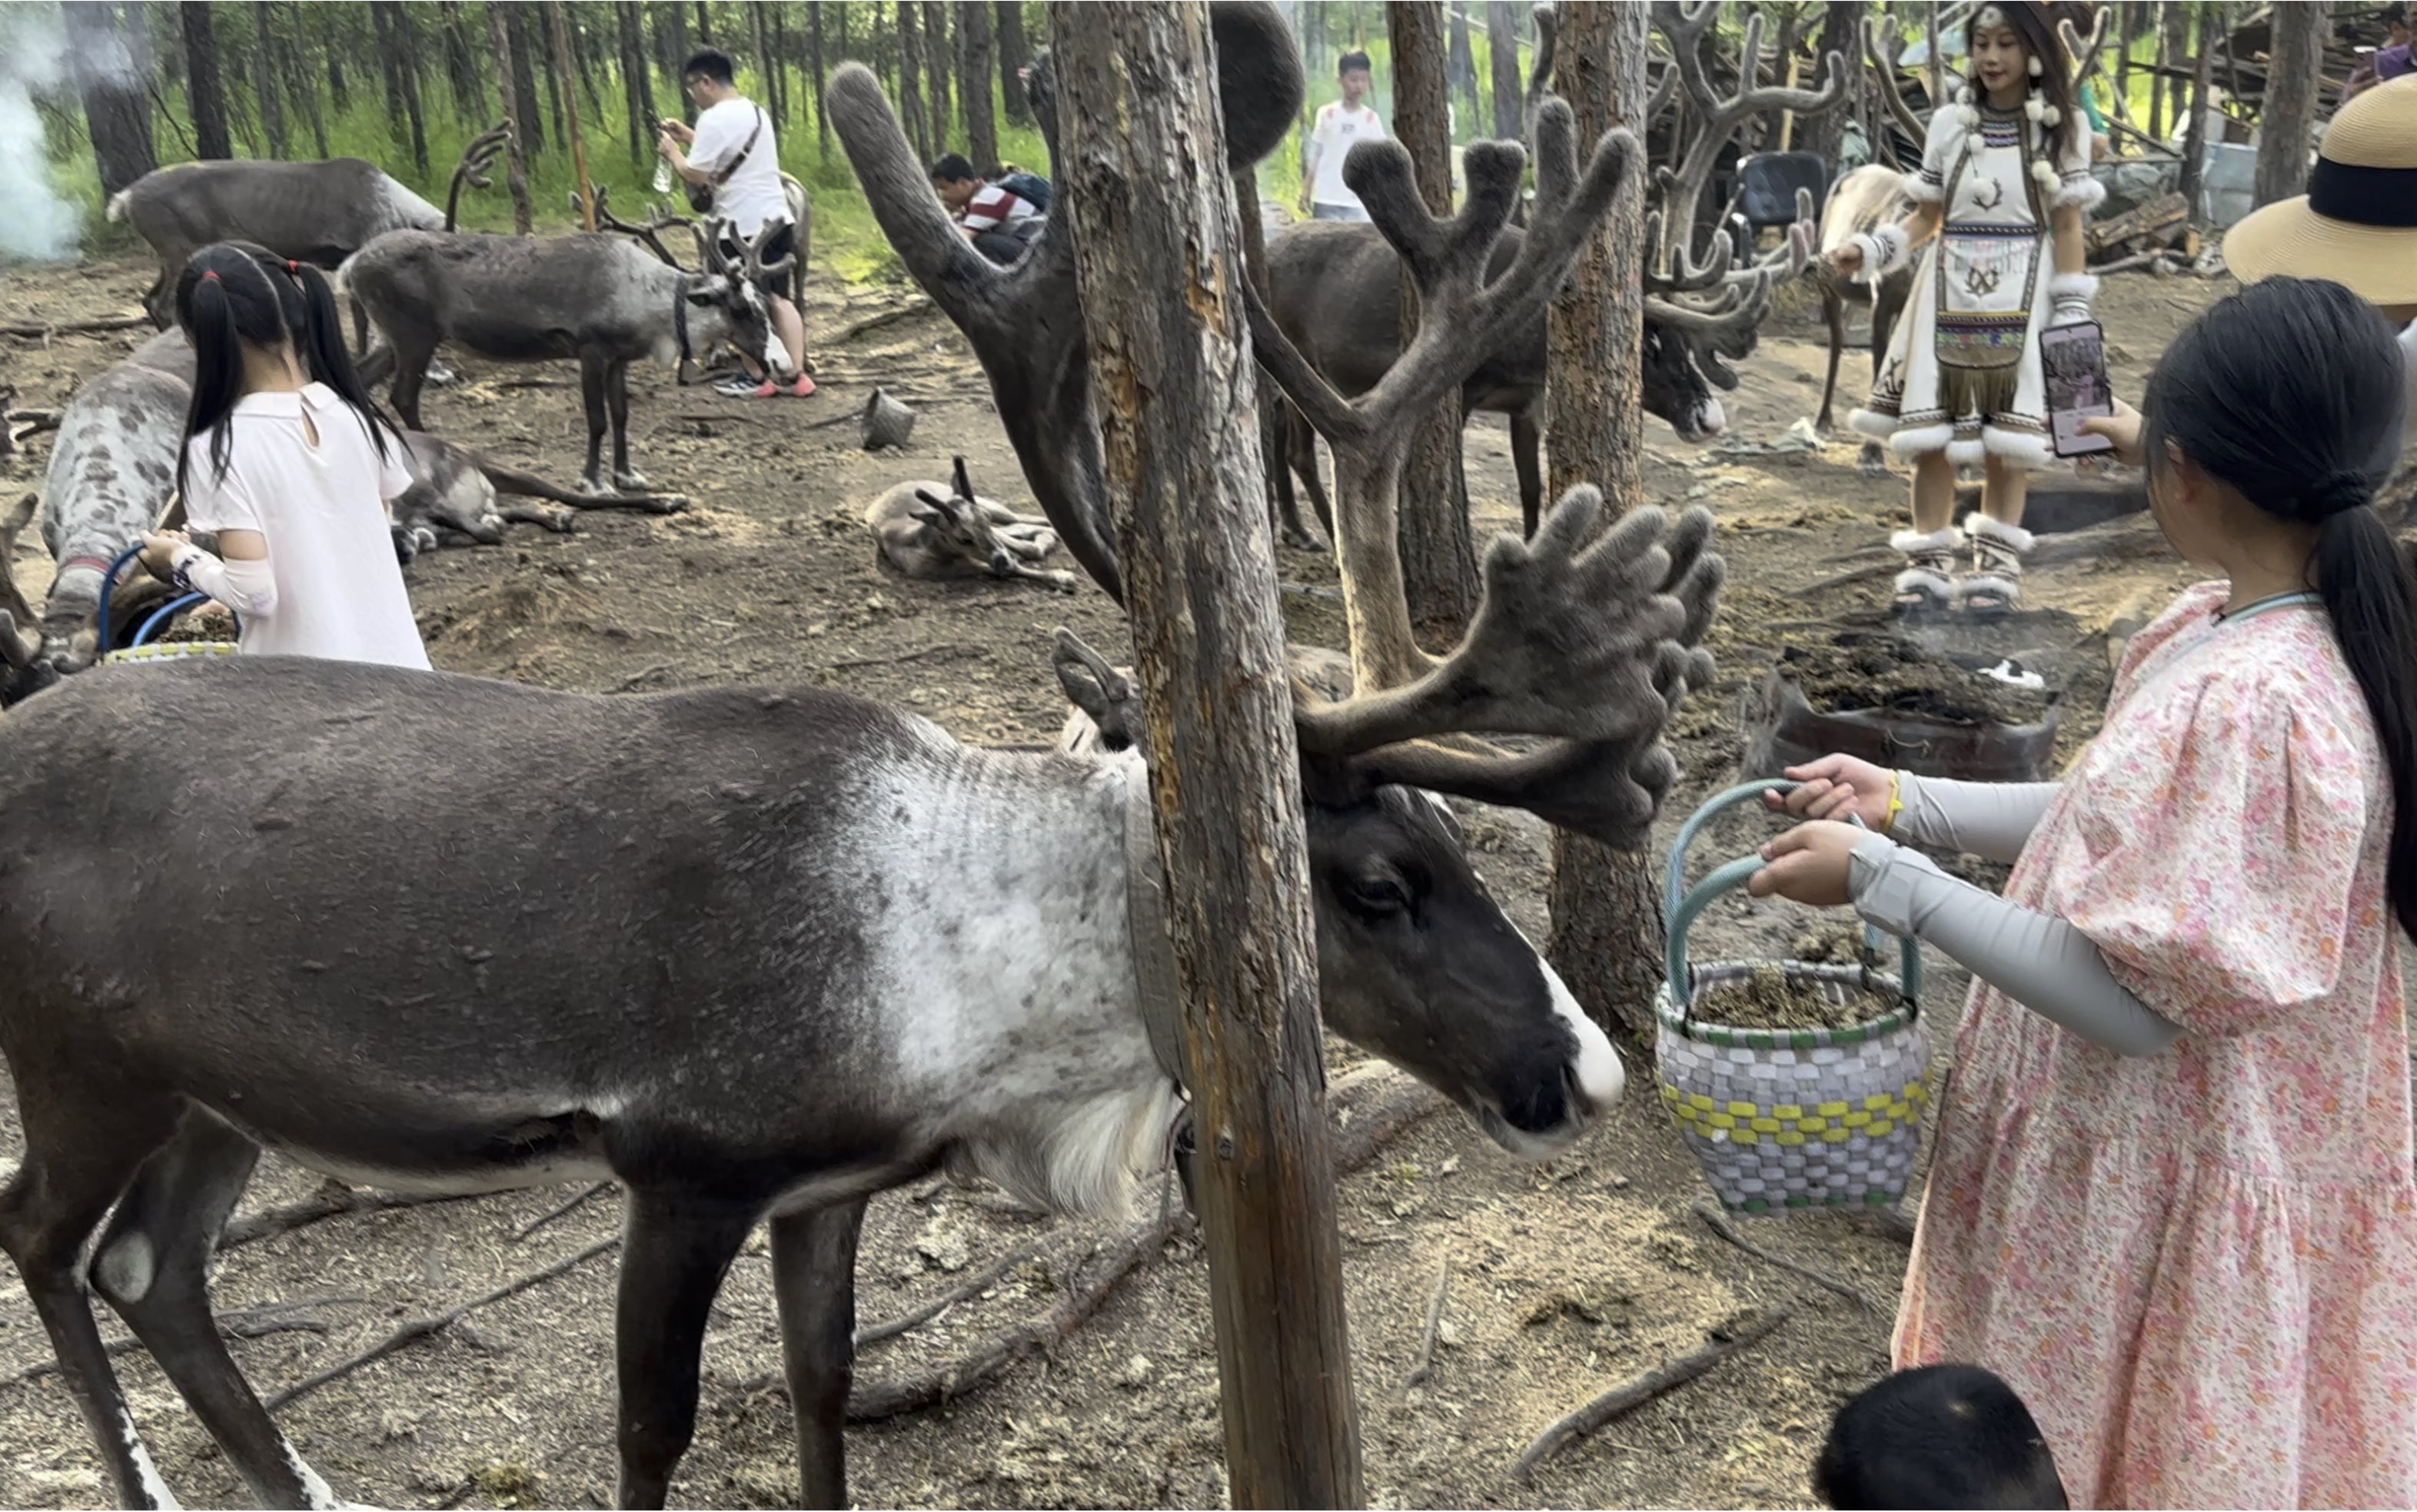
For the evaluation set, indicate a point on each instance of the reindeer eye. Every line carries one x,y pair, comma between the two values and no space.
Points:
1377,896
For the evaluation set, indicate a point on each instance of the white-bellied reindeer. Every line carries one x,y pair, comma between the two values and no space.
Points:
697,960
944,531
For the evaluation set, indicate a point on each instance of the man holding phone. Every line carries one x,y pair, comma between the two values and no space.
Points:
732,152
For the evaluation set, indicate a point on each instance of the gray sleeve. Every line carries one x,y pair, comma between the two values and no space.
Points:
1991,820
2040,961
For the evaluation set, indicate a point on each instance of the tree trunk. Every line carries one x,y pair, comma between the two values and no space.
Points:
533,32
205,91
910,87
2211,21
406,74
973,85
634,81
1841,33
297,75
1773,122
563,63
265,82
2177,44
332,45
1439,564
1606,919
781,61
390,73
528,123
671,34
821,72
1464,75
105,49
759,38
1014,56
582,57
2157,76
462,75
703,27
515,160
1509,89
1156,250
2294,72
938,69
1271,403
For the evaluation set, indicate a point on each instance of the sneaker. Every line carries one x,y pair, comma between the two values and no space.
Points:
741,387
803,388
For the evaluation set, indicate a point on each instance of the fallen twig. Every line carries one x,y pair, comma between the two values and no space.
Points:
2138,260
561,1210
326,1204
871,1334
1425,1370
436,1323
888,317
1635,1393
244,1322
1719,1223
916,654
75,327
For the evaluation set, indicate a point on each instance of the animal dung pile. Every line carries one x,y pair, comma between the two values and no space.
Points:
1771,999
1856,670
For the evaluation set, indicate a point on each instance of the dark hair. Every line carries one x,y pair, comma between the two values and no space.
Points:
2035,25
1942,1436
953,168
711,62
1348,60
2287,392
238,291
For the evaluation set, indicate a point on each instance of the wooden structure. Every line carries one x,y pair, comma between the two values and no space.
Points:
1159,261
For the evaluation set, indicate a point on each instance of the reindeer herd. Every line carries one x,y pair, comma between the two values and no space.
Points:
697,960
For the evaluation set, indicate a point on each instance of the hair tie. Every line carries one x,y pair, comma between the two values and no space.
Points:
2340,493
293,267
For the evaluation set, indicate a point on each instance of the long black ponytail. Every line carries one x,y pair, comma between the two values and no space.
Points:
233,293
2286,391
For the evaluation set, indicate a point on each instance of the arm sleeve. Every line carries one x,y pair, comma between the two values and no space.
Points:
714,142
216,503
1927,184
2217,868
2076,185
985,211
2042,962
1991,820
246,588
394,471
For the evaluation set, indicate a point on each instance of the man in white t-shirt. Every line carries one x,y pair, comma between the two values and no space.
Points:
1339,127
732,150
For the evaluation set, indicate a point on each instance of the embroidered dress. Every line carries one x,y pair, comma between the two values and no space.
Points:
1962,374
2199,1268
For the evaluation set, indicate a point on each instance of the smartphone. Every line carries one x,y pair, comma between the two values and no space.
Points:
2073,360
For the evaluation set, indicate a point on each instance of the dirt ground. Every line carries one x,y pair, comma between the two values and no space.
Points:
1563,1278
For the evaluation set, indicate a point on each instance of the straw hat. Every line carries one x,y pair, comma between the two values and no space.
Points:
2357,224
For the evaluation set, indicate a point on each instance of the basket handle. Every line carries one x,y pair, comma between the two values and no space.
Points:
1680,912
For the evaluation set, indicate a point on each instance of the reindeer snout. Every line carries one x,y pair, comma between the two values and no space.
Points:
1710,420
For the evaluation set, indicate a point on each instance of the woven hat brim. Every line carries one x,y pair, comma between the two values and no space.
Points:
2379,264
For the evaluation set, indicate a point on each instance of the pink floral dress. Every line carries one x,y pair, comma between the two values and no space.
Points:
2199,1268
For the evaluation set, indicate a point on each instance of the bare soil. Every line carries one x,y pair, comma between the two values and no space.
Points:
1563,1278
1857,670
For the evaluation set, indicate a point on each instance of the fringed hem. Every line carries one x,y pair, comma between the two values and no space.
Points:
1871,423
1921,440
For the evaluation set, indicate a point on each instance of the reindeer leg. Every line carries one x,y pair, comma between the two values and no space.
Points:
591,395
1526,459
85,1136
616,393
410,372
1302,442
561,521
677,1250
1833,311
813,1280
152,1265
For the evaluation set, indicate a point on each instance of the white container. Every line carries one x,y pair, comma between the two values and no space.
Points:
2227,181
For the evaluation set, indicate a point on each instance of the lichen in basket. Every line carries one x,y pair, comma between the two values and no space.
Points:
1771,999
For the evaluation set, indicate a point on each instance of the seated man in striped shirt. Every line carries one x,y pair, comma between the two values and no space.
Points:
999,221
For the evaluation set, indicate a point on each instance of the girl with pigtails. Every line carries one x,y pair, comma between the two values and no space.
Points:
288,465
2003,185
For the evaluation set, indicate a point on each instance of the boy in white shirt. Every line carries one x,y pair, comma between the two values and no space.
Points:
1339,127
733,136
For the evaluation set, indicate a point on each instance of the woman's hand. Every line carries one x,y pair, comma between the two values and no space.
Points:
2122,427
160,552
1809,864
1834,787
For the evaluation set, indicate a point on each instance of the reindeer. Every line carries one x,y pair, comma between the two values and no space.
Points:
926,533
455,489
313,212
592,297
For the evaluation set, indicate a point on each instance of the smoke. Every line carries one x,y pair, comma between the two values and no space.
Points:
35,222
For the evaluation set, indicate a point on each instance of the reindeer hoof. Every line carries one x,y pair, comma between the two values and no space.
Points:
666,503
596,487
632,481
1062,582
1301,541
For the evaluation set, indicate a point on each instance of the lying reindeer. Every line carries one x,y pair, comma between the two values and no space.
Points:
456,489
926,533
313,212
594,298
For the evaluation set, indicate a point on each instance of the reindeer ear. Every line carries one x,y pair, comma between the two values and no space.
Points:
708,291
1332,782
927,515
1101,693
948,507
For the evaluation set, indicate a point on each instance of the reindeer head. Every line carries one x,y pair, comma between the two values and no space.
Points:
730,297
960,526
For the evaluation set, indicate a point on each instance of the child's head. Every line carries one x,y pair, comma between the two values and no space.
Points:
1352,72
954,180
2268,426
247,314
1941,1436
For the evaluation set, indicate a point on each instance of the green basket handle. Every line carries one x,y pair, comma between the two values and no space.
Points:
1682,911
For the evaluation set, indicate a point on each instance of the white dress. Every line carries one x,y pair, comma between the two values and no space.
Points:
1962,374
302,473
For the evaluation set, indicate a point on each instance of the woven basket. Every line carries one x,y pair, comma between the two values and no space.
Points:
1788,1120
171,651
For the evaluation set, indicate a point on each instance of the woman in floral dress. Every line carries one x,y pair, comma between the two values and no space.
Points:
2004,183
2171,1200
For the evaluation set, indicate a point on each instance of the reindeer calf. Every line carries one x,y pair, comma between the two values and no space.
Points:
926,533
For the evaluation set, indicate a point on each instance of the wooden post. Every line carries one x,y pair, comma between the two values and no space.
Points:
1439,561
571,114
2294,71
2211,19
516,167
1606,918
1158,260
